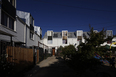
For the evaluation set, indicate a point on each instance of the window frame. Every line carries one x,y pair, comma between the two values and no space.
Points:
7,23
31,35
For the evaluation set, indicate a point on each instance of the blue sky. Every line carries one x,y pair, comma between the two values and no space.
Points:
71,15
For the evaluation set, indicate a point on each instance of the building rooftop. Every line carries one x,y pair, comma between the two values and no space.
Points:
70,35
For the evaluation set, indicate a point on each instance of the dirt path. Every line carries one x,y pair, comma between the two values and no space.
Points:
56,67
51,67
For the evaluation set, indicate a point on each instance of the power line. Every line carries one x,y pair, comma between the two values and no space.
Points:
75,6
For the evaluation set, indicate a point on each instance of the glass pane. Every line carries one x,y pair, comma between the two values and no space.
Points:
64,41
11,23
4,19
49,41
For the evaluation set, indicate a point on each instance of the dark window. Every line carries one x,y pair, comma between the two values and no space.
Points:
40,36
55,35
4,19
12,2
88,33
49,37
31,35
79,38
11,23
84,35
31,20
69,35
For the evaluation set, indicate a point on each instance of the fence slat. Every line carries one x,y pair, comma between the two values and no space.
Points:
22,57
37,56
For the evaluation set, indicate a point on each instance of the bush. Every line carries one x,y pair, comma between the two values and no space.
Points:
68,51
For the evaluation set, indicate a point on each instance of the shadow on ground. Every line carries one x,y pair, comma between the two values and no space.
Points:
59,68
55,69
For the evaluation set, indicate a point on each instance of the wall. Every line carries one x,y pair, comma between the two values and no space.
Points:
24,15
58,42
20,26
31,42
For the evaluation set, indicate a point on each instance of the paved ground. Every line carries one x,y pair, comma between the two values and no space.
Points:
55,67
51,67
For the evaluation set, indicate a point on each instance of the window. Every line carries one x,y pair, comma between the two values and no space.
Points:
79,37
65,41
7,21
11,23
49,39
64,33
4,19
31,35
12,2
55,35
69,35
49,33
31,20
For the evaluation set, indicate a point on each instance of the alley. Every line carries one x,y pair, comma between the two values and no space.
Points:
51,67
56,67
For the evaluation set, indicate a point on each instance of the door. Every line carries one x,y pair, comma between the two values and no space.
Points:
53,51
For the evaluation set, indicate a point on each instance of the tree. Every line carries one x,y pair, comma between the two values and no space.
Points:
68,50
59,50
84,58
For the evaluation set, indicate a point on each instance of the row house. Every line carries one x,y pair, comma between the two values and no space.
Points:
56,39
17,27
32,34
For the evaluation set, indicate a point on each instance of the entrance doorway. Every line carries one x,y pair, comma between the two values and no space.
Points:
53,51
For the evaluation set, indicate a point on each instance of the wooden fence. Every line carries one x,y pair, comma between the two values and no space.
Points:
37,56
21,57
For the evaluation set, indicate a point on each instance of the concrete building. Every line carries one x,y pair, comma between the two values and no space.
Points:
32,34
56,39
17,27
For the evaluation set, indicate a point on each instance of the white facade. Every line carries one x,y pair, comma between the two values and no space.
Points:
24,15
57,40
